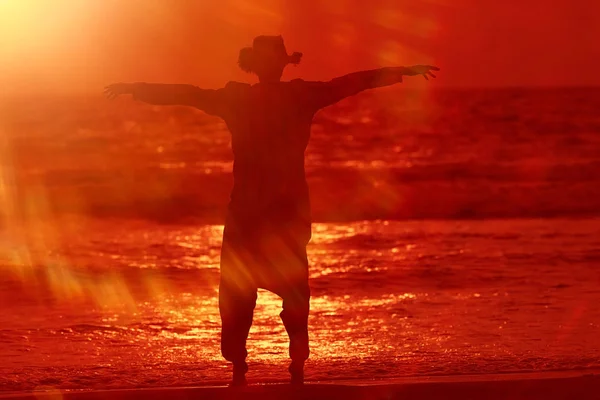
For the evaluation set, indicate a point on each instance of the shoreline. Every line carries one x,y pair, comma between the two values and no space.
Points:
543,385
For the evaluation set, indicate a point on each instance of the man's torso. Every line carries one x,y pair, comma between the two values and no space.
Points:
270,128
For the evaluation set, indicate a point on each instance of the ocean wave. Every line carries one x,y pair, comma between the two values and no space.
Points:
384,155
346,194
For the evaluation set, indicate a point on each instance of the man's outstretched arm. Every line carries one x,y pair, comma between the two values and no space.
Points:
208,100
353,83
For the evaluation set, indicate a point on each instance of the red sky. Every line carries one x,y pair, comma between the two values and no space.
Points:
74,46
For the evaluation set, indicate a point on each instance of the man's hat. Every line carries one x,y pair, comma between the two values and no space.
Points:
248,55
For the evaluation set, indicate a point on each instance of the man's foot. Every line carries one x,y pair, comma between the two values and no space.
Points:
239,374
297,372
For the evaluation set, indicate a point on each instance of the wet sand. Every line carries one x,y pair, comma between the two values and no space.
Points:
547,386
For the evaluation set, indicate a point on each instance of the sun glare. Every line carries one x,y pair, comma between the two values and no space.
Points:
33,25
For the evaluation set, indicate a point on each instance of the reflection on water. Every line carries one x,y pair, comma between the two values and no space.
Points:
97,300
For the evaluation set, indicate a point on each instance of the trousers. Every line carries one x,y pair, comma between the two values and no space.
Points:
267,253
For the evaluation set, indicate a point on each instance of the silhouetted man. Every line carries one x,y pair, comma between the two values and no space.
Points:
268,224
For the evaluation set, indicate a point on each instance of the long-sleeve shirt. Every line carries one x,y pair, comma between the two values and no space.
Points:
270,128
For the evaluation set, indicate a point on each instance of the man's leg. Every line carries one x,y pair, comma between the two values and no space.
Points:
236,307
296,305
284,249
237,299
295,292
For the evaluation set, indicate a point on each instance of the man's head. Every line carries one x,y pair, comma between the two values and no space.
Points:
267,58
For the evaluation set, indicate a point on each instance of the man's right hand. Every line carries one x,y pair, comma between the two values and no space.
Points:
116,89
424,70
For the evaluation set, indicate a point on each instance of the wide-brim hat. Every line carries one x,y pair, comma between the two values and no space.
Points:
249,55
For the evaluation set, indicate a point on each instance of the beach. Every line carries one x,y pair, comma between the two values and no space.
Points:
518,386
455,242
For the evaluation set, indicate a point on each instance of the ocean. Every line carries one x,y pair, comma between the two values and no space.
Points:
456,232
